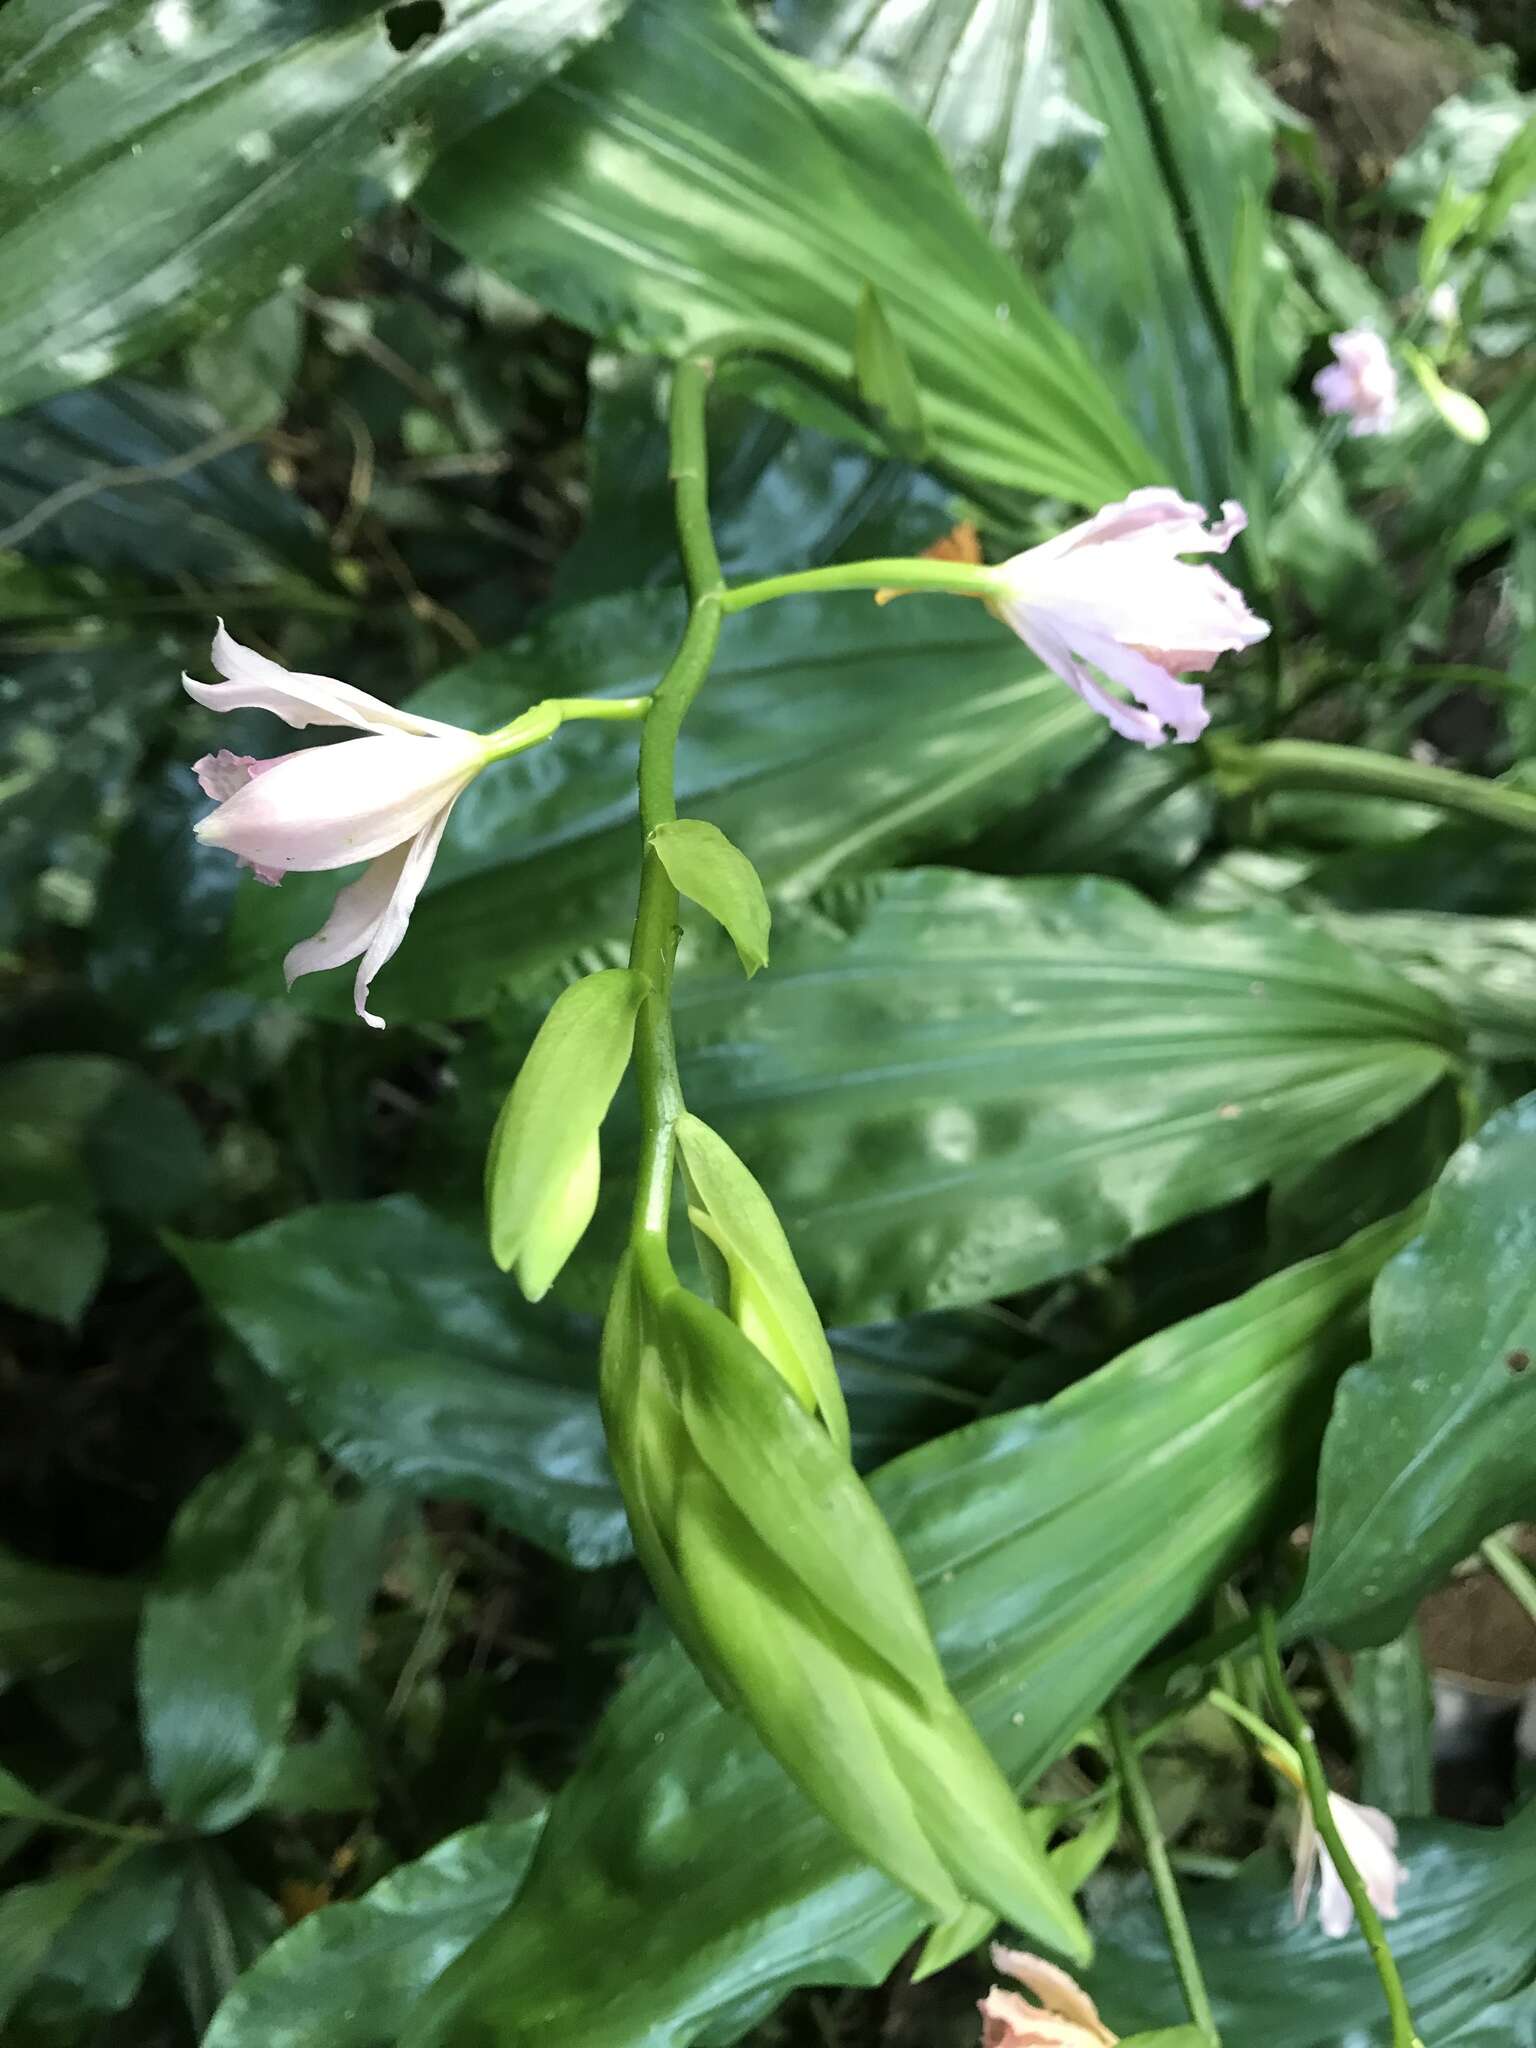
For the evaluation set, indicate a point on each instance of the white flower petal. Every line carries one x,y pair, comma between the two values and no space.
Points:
390,929
1127,720
354,918
256,683
330,806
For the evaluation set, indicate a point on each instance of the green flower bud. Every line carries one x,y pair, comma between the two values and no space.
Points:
768,1300
542,1170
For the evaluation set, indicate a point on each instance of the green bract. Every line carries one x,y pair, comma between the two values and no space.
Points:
705,866
541,1173
768,1299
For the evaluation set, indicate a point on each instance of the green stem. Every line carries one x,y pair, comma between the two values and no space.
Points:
1357,771
1269,1739
654,945
1160,1870
1404,2034
919,572
1513,1570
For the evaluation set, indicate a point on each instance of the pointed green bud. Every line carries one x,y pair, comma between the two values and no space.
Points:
1463,415
884,374
541,1173
706,868
768,1301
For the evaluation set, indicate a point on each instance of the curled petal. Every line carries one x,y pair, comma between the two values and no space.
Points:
370,916
1056,1991
255,683
330,806
1126,719
1155,517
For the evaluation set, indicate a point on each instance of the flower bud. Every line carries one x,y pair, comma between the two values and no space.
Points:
541,1173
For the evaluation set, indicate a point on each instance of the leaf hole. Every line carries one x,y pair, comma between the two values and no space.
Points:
413,22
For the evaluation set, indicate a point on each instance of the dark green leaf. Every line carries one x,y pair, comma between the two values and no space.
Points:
1029,1536
223,1631
963,1086
32,1918
395,1941
98,1960
49,1618
684,180
225,1925
51,1260
131,476
834,735
246,369
1463,1941
163,165
82,1129
1432,1444
328,1773
1394,1711
415,1364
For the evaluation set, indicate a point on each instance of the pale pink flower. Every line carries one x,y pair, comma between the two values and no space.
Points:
1360,381
1112,595
1066,2017
1371,1840
384,799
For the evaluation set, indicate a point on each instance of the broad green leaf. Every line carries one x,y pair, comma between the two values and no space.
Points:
1462,1939
388,1946
883,373
543,1165
707,869
52,1258
165,164
833,735
1028,1535
683,180
328,1773
955,1086
97,1961
223,1632
50,1618
134,477
987,79
1432,1443
411,1362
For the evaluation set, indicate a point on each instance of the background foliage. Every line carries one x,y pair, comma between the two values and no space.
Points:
1102,1097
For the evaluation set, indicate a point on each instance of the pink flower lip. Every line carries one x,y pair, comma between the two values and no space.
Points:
1111,598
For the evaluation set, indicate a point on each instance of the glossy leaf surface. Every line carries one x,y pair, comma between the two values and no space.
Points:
163,165
684,180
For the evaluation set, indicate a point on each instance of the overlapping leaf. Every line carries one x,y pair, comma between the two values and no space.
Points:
684,180
164,164
1041,1598
1432,1444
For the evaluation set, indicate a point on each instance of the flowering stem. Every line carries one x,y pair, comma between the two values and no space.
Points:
1404,2034
1277,1752
963,579
1513,1570
654,945
1357,771
1160,1870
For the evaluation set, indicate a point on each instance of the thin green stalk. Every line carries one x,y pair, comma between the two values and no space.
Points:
654,945
1160,1870
1513,1570
919,572
1358,771
1404,2034
1270,1741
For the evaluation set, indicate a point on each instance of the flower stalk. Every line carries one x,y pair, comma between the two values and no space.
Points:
1304,1742
1164,1885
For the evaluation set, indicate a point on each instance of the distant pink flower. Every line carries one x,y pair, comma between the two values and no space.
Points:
1371,1839
1112,595
1066,2016
1360,381
384,799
